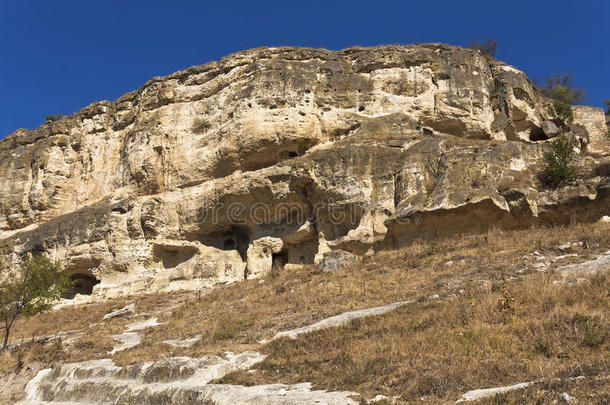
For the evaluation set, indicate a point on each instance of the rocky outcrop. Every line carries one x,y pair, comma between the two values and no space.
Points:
177,380
278,156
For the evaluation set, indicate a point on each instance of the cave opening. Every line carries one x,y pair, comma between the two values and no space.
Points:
279,260
537,134
229,244
173,256
82,283
231,238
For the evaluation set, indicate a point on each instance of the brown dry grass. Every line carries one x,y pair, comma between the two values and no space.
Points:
416,351
238,316
439,349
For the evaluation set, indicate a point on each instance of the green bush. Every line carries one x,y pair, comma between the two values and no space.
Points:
53,117
562,87
563,94
557,168
561,110
607,104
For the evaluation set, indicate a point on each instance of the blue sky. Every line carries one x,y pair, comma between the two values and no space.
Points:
59,56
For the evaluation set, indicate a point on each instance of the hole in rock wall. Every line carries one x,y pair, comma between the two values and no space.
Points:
230,244
172,256
233,238
537,134
279,260
82,283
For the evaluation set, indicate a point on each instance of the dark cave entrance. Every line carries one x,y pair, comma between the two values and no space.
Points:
82,283
279,260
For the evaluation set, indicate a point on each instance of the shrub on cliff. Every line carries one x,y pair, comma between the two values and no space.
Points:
32,290
53,117
607,104
563,93
486,48
559,108
558,169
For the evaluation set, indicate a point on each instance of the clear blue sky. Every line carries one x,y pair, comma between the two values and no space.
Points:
59,56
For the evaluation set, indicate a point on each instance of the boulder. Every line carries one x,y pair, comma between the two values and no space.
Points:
550,129
337,259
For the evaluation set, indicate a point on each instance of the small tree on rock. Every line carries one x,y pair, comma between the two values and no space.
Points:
563,94
31,290
557,167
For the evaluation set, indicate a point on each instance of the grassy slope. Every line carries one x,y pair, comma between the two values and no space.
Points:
499,320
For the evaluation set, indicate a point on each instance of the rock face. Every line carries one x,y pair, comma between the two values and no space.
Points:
176,380
279,156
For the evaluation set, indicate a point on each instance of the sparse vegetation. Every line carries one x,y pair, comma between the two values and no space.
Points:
53,117
440,349
486,48
38,283
564,94
558,168
490,327
561,110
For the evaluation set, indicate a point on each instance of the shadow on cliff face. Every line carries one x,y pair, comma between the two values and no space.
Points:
173,256
83,283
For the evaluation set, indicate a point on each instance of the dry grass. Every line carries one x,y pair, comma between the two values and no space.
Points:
500,321
440,349
238,316
587,391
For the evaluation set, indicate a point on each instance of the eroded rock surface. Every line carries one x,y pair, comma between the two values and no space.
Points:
277,156
177,380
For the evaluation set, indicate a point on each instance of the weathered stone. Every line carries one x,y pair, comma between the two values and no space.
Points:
176,380
260,255
176,185
593,119
337,259
129,309
550,129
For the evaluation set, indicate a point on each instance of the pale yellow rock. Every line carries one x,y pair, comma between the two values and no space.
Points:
260,255
184,183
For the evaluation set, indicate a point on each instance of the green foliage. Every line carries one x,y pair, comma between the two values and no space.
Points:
561,87
486,48
561,110
31,290
53,117
557,163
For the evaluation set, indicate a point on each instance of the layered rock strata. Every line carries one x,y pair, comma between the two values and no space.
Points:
282,156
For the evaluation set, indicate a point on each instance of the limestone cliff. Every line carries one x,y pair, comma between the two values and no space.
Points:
282,155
